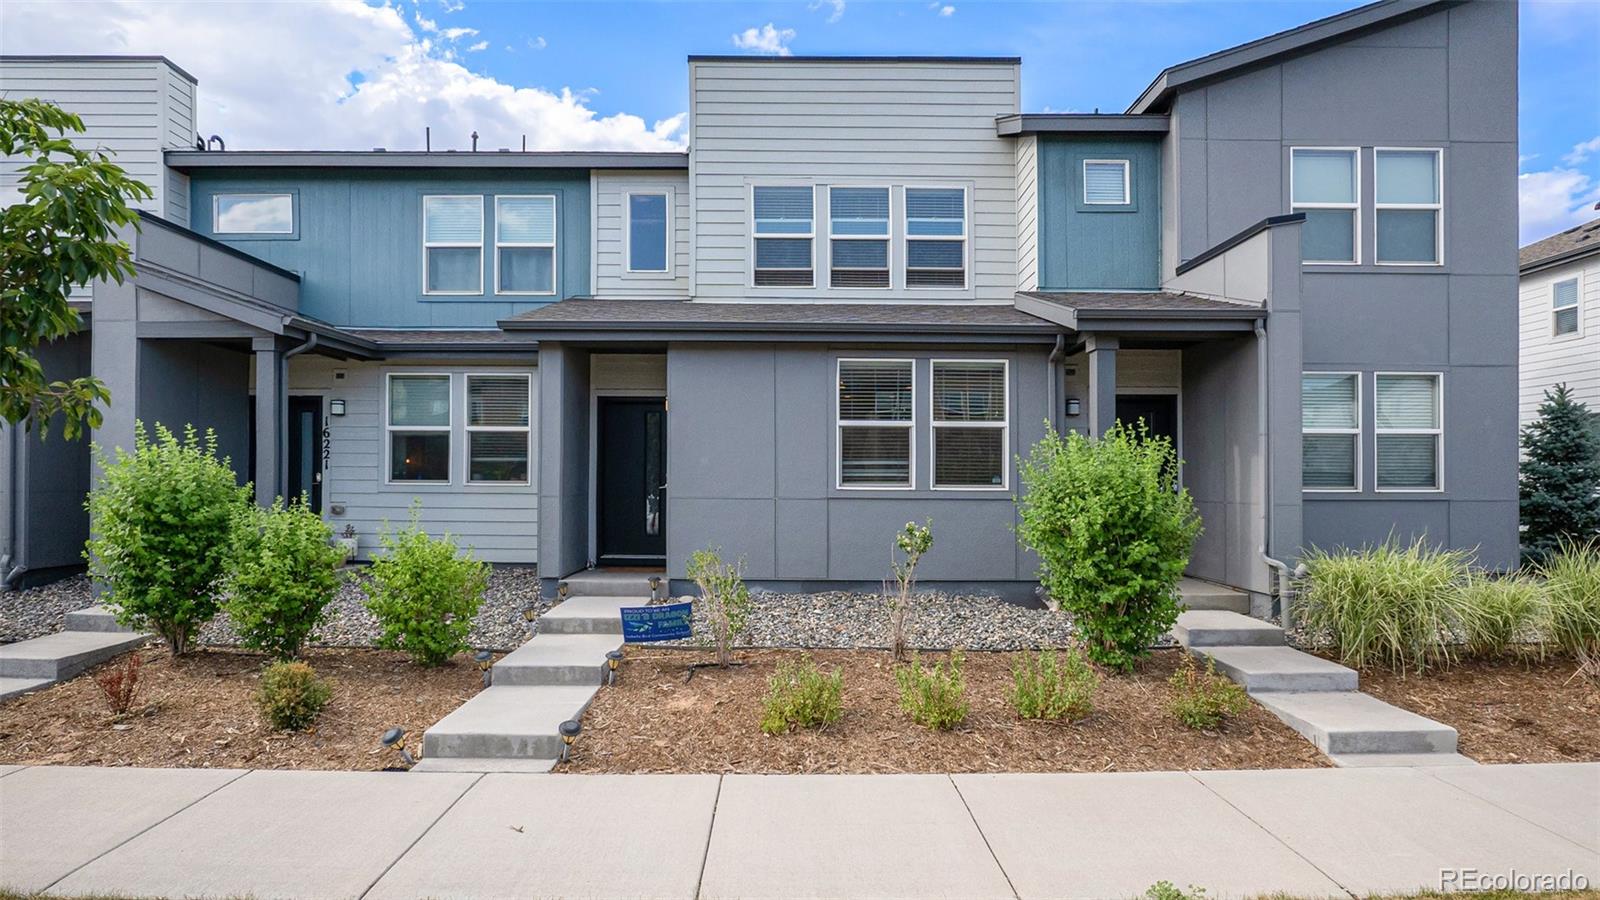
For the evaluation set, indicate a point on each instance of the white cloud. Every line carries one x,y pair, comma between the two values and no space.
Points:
538,43
456,34
1553,201
1581,152
481,45
766,39
329,74
451,6
947,11
836,8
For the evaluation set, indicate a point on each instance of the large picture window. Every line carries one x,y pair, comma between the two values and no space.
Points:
970,424
858,237
1330,424
875,410
784,227
649,232
419,428
452,245
497,428
525,245
1408,207
936,237
1409,420
1324,183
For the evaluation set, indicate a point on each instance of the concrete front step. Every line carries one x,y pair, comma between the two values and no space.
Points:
94,618
1197,594
1279,669
1403,760
557,659
16,687
453,764
1220,628
603,583
504,722
65,654
1350,722
588,615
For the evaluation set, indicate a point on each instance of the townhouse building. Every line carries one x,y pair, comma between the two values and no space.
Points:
867,286
1559,321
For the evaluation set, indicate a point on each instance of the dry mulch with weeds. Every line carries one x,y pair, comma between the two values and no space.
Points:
1505,711
653,720
200,711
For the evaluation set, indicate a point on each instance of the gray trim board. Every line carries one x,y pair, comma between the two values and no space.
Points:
189,160
215,244
1237,239
1080,123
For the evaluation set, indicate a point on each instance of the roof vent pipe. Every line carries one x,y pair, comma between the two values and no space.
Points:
427,139
474,142
217,140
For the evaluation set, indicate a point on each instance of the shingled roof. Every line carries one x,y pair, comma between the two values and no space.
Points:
580,314
1576,242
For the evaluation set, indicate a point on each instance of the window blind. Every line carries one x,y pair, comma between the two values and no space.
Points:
1328,401
497,401
419,401
525,220
1408,439
935,212
969,392
875,390
1104,182
858,211
452,220
1407,401
1328,461
783,210
1565,300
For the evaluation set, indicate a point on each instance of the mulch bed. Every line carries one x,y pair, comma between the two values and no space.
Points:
200,711
653,720
1506,711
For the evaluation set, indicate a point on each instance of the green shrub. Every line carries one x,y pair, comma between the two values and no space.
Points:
724,598
1572,600
1499,614
1559,476
800,696
162,518
934,696
291,695
1112,533
282,574
1045,687
1393,605
1203,700
425,592
1166,890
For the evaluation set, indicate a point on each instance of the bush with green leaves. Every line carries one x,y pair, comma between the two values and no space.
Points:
424,592
1113,533
800,695
1166,890
1500,614
1398,605
935,695
1559,476
282,574
291,695
723,597
1572,600
1203,699
162,517
1048,685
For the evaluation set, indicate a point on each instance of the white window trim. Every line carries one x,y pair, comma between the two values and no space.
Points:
555,257
1437,207
468,428
389,428
1004,425
1354,207
1577,307
427,244
1438,445
1127,182
965,238
810,235
839,425
627,232
216,206
887,238
1357,431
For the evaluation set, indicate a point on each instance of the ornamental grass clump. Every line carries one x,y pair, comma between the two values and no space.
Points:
724,598
162,518
1572,600
282,574
934,696
425,592
1113,533
1500,615
1203,700
1047,685
799,695
1395,605
291,695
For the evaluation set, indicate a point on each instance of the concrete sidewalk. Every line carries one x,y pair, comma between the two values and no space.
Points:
264,834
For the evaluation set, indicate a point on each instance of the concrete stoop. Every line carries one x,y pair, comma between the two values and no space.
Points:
94,618
1316,697
92,636
1203,595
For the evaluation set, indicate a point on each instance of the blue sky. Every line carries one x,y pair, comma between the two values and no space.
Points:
343,73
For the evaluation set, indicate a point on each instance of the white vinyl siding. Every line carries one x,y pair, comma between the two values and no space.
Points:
874,411
1027,212
452,244
971,424
1408,206
525,244
1545,358
1325,184
1330,412
1408,415
1107,182
610,191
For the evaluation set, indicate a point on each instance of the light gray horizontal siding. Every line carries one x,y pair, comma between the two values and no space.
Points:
611,278
1546,360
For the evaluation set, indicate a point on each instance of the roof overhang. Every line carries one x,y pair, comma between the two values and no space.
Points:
1558,259
1185,316
192,160
1079,123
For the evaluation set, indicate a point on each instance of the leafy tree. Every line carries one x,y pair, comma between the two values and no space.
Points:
1560,478
63,233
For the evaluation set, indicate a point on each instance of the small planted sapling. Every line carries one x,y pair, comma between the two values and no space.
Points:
913,541
724,598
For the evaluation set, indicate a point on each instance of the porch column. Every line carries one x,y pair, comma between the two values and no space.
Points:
271,435
1102,353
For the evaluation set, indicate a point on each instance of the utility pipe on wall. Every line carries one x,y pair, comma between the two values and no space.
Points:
1280,569
1053,392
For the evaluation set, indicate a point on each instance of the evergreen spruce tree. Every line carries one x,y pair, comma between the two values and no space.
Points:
1560,478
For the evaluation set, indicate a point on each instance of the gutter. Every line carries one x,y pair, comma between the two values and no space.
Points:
8,573
1052,393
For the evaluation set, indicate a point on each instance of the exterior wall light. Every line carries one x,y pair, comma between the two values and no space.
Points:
569,733
335,407
613,659
482,658
1074,407
395,739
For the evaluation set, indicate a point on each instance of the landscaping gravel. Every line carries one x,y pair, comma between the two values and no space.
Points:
34,612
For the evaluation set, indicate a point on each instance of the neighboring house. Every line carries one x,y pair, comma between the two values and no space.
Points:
1560,321
862,292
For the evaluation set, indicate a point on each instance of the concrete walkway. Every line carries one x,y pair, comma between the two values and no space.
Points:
265,834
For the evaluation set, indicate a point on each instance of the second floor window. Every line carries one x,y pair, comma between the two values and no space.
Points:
858,237
1324,184
936,237
252,214
649,233
784,229
1106,182
1408,207
525,245
1564,307
452,245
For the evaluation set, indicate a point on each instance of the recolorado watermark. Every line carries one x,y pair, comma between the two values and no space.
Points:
1469,879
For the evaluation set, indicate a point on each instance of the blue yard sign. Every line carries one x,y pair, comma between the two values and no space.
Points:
643,624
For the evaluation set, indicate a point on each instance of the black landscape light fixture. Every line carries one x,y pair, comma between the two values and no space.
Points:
482,658
569,733
655,588
562,590
395,739
613,660
530,613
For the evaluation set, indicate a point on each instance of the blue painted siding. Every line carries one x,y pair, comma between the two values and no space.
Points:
1085,247
358,240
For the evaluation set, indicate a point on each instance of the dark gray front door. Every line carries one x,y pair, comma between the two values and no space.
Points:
632,481
1159,413
305,451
